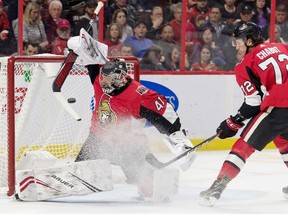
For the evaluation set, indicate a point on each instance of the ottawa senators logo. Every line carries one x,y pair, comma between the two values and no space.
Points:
106,115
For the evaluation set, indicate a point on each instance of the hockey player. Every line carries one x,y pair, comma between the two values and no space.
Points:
121,105
262,76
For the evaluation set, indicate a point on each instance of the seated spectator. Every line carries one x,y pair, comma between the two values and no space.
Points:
261,14
120,17
31,49
145,5
229,12
75,12
113,36
4,30
152,59
33,27
246,14
281,20
55,10
138,41
217,24
199,13
172,61
59,45
132,14
277,35
206,37
89,9
125,50
155,23
191,33
205,62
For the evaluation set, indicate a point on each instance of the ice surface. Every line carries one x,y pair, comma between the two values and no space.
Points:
257,189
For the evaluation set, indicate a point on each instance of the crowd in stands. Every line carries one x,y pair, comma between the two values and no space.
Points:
150,30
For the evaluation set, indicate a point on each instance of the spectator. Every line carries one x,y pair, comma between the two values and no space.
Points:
261,14
217,24
113,36
55,9
206,37
138,41
281,20
145,5
191,33
4,30
277,35
155,23
205,60
76,12
131,12
60,43
33,27
120,17
31,49
152,59
167,43
199,13
125,50
229,12
89,9
246,15
172,62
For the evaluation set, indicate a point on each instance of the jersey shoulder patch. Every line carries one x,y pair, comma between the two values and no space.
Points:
141,90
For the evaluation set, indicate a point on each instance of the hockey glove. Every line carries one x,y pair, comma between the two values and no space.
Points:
179,143
230,127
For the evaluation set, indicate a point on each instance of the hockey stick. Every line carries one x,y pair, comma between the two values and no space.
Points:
151,159
65,69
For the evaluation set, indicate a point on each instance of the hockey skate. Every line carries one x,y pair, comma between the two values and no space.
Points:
285,192
209,196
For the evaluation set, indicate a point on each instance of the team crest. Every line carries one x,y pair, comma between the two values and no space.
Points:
141,90
106,115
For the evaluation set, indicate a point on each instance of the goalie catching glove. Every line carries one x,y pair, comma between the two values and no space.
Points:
179,143
230,126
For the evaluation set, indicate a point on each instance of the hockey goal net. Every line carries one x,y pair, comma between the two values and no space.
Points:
32,118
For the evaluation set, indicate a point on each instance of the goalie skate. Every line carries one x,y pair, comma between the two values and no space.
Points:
209,196
285,192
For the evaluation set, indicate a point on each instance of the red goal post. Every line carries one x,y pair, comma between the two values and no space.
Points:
32,119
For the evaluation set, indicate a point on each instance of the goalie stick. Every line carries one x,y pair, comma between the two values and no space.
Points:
151,159
66,67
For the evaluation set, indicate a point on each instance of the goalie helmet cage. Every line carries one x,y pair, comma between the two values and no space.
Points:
32,119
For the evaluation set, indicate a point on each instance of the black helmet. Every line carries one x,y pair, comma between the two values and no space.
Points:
114,75
249,29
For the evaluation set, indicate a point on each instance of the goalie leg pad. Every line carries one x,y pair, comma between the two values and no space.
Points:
73,179
165,185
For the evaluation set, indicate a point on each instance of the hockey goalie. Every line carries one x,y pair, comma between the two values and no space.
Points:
116,136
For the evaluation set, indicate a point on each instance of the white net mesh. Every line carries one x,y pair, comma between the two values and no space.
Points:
41,122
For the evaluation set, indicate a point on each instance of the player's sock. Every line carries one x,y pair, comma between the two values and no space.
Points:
209,196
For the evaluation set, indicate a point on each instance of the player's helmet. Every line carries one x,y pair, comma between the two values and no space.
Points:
249,30
113,75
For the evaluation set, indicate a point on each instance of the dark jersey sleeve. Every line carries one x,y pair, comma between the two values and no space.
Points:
93,71
161,114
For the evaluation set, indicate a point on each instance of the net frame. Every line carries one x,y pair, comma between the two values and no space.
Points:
11,141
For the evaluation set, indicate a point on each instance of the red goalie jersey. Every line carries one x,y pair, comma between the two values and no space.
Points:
262,76
133,101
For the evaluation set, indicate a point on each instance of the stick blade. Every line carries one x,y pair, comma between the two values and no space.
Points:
151,159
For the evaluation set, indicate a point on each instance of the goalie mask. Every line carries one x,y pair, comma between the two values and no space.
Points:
113,75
